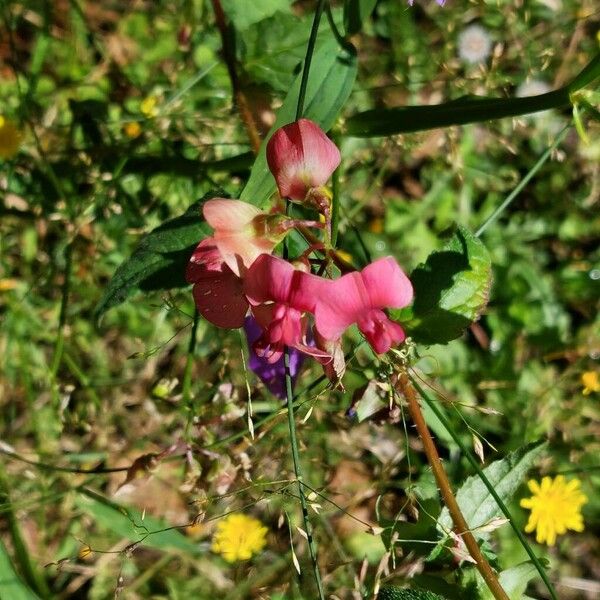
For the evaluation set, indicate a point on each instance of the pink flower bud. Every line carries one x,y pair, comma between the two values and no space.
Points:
301,157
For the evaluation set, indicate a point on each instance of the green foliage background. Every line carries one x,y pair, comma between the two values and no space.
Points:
85,394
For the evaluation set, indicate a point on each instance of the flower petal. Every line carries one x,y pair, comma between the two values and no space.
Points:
301,157
341,304
220,299
206,257
387,284
229,215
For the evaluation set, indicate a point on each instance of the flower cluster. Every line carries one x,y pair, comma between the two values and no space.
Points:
234,271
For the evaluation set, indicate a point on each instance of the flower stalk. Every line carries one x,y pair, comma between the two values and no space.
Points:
441,478
298,472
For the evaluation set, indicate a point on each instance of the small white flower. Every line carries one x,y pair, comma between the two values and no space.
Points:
474,44
533,87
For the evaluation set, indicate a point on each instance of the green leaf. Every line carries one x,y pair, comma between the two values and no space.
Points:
128,523
10,584
159,260
469,109
451,289
515,580
273,49
332,74
506,475
391,592
356,12
244,13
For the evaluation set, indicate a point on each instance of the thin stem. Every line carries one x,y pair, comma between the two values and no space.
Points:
240,98
460,524
62,318
472,460
538,165
187,373
298,471
49,467
310,48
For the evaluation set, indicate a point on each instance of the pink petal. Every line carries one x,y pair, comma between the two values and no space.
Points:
387,285
206,257
229,215
220,299
340,305
301,157
268,280
272,279
240,249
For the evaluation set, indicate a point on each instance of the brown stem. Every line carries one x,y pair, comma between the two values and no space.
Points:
240,98
443,483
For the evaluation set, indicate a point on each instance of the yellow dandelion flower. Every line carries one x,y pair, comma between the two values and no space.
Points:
10,138
555,507
238,537
590,382
132,129
148,107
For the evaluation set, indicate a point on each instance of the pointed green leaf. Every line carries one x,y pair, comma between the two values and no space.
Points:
506,475
469,109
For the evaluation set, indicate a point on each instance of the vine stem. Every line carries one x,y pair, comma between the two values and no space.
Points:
312,550
460,524
240,98
310,48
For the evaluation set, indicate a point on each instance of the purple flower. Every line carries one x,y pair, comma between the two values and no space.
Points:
271,374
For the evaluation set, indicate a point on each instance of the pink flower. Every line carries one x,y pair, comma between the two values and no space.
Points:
218,291
301,157
243,232
237,228
359,298
276,292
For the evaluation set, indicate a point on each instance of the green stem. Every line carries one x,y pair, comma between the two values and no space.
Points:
298,471
310,48
438,413
62,318
538,165
187,373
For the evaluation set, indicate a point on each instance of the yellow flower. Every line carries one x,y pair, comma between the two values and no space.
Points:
238,537
555,507
590,382
10,138
148,106
132,129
